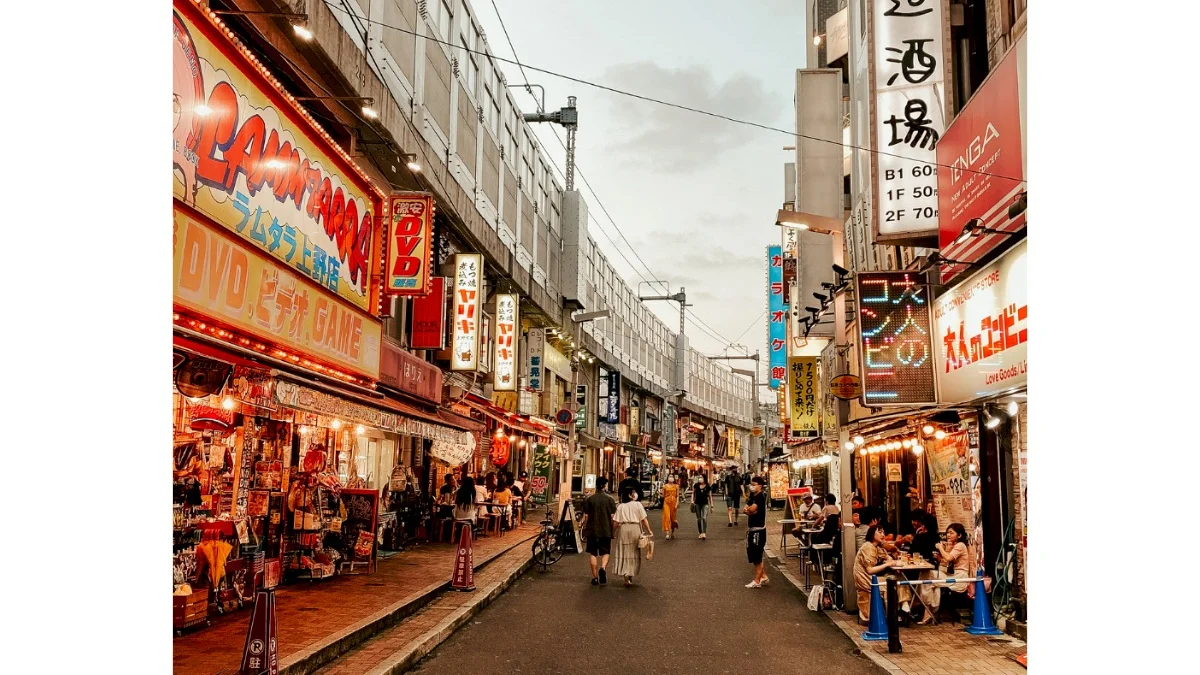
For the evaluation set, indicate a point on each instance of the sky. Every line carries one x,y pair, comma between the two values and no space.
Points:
695,196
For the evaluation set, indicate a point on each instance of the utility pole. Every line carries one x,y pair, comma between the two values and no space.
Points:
680,351
577,322
567,117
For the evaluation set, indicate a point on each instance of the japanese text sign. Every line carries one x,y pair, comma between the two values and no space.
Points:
613,415
776,316
410,239
981,333
802,392
507,320
429,317
256,163
536,355
895,346
909,114
982,165
219,277
540,476
468,284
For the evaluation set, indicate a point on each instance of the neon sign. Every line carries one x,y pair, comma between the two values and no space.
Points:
896,352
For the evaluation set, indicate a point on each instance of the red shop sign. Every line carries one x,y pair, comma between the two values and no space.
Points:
429,317
400,370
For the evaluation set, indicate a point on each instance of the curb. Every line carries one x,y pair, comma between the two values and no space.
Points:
428,641
307,661
862,647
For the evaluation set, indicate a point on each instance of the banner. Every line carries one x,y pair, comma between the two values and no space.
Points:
429,317
776,317
468,284
803,388
536,353
507,319
409,242
829,404
614,398
256,163
217,276
540,477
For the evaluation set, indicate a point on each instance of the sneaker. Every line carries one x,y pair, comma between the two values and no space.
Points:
595,581
764,582
729,525
603,576
753,584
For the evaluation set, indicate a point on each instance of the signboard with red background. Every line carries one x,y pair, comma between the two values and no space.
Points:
981,161
409,241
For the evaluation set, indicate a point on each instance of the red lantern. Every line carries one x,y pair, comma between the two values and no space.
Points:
500,450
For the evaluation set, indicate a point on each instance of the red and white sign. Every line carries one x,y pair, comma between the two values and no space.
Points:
401,370
429,317
982,164
410,239
468,280
505,371
980,332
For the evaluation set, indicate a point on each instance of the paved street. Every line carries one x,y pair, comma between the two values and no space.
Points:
688,613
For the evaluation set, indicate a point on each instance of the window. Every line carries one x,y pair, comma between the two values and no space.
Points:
440,15
469,39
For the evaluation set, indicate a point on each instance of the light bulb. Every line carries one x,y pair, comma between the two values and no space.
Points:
512,438
521,444
858,440
928,429
917,449
939,434
370,112
414,165
302,31
360,430
817,40
227,403
992,422
337,424
862,451
850,446
907,444
1013,408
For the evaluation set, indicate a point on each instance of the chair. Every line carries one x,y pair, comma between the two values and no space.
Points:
445,529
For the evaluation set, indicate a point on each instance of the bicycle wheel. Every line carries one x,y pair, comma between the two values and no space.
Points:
554,551
541,553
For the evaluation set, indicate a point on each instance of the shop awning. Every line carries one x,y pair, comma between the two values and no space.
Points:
212,352
509,419
456,420
386,404
588,441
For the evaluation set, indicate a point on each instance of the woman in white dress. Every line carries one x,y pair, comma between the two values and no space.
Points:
629,523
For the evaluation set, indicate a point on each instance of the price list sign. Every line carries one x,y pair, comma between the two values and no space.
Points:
910,97
896,352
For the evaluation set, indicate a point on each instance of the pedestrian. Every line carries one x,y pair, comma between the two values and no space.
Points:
829,509
464,504
630,481
670,507
733,496
597,527
756,531
701,494
630,523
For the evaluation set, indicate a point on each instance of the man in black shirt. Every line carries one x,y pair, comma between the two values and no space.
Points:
598,510
630,481
756,532
733,496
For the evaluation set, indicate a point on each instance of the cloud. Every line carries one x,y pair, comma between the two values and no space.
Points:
679,141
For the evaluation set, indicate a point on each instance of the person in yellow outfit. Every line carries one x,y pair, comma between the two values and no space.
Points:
670,504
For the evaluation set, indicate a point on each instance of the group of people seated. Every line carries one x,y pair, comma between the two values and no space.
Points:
880,551
494,494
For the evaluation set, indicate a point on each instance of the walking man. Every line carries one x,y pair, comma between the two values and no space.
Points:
756,531
597,526
733,495
631,481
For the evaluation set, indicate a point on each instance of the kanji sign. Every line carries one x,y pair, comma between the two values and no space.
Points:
910,114
409,242
776,316
896,350
468,282
802,393
507,320
429,317
536,355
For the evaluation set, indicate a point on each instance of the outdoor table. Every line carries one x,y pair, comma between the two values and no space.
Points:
783,537
913,568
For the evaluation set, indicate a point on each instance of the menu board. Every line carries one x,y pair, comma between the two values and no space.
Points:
362,511
540,480
779,481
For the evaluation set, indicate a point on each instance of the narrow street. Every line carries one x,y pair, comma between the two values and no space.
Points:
688,613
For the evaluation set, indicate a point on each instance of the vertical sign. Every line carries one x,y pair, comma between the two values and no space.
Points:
776,316
614,398
669,444
429,317
802,392
829,404
537,350
505,372
410,240
910,104
540,478
896,351
468,273
581,391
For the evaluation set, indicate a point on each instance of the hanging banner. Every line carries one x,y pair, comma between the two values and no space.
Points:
829,403
536,341
255,162
896,356
468,282
218,276
776,317
429,317
803,389
409,242
910,104
504,375
614,398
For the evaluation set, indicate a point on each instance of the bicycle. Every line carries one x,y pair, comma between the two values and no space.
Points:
547,549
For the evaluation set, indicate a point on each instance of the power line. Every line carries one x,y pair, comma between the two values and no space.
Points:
679,106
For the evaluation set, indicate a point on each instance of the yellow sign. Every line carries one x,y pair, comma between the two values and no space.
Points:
803,388
217,277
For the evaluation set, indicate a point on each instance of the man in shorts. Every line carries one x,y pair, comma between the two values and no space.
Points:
598,510
756,530
733,496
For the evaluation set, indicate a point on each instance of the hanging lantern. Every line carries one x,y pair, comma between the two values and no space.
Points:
499,452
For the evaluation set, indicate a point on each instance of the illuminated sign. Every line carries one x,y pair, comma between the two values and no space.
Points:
896,352
505,373
804,416
776,316
410,238
468,277
536,354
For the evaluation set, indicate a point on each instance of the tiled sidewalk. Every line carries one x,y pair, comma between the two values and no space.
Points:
334,615
927,650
